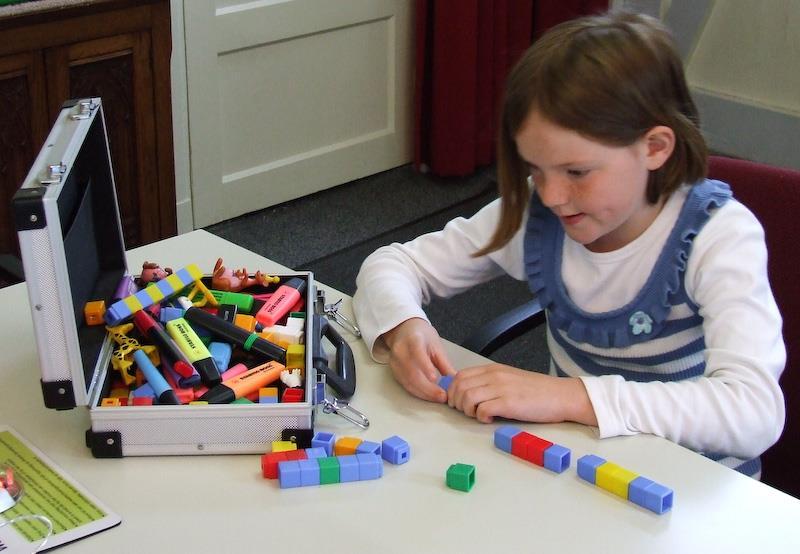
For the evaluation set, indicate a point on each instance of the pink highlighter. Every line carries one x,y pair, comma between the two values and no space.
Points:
281,301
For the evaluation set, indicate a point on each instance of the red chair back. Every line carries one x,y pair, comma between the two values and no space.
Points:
773,195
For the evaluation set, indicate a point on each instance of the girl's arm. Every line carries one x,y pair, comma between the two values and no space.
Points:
396,280
737,407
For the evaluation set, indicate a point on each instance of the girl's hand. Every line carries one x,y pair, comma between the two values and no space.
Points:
490,390
417,359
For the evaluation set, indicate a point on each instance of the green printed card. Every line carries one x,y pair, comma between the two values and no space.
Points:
46,491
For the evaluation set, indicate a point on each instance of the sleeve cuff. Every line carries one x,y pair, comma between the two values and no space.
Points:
603,394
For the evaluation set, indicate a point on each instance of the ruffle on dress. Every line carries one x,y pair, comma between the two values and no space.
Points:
644,316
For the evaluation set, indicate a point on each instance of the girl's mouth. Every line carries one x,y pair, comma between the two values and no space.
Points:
571,219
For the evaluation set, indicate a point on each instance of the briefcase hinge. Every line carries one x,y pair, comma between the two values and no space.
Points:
54,174
84,110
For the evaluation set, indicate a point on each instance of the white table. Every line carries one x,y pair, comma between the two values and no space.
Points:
222,504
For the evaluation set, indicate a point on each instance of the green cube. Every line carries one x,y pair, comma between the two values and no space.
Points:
328,470
461,477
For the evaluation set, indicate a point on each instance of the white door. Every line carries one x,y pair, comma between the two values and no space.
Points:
287,98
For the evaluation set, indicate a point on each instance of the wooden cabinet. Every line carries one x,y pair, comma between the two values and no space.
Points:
118,50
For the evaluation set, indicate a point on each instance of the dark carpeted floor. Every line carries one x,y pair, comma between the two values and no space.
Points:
331,232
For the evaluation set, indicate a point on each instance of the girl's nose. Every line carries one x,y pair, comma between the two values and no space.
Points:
552,191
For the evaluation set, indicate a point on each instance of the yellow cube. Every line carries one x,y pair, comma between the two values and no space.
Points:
346,445
283,446
614,478
296,356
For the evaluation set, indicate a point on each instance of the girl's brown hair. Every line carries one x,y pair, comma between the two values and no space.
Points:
610,78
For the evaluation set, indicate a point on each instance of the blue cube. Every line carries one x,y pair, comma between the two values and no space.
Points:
503,437
587,467
309,472
395,450
370,466
557,458
348,468
289,474
316,452
651,495
368,447
445,381
325,440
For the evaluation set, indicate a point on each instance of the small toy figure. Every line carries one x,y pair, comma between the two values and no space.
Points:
235,280
152,272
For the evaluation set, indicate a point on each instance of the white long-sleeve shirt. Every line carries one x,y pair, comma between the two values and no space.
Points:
736,408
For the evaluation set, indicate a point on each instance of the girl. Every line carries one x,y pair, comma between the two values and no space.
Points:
660,316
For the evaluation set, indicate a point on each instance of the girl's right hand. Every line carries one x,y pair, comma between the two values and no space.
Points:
417,359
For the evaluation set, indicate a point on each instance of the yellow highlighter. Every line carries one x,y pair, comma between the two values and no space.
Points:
194,349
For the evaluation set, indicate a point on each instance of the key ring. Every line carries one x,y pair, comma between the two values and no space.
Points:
332,311
344,409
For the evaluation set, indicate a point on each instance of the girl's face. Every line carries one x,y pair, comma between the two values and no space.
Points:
597,191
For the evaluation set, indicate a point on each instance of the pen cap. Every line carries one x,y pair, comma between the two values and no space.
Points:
295,283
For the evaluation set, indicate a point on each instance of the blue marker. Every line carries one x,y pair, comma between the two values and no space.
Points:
164,393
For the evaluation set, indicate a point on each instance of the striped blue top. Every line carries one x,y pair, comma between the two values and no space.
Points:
657,336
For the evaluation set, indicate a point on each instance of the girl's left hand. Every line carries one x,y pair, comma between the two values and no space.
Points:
490,390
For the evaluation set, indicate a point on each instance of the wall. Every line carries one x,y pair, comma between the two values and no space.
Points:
742,63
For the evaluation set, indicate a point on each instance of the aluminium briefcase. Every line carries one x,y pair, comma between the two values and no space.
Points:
72,250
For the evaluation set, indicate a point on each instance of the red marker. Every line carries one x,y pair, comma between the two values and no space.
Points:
281,302
149,327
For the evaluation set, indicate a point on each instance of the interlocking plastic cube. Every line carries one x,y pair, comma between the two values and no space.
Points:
503,437
346,445
370,466
651,495
460,477
309,473
369,447
282,446
93,312
325,440
328,470
348,468
445,381
587,467
296,356
557,458
395,450
289,474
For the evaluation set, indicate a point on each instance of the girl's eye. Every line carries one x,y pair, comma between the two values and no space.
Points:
577,173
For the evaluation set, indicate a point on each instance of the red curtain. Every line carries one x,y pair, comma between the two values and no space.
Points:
465,48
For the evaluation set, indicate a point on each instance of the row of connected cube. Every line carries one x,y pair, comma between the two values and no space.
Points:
627,484
330,469
532,448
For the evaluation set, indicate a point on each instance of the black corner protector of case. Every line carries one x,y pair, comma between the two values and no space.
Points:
29,208
104,444
301,437
58,394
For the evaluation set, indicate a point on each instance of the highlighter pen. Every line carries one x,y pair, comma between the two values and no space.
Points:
246,383
180,381
195,350
229,332
281,301
150,328
230,373
164,393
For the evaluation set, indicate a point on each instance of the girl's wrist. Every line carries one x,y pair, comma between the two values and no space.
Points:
579,406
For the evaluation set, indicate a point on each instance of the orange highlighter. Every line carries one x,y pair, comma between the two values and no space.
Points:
244,384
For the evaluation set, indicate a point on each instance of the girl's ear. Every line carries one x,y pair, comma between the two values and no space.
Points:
659,143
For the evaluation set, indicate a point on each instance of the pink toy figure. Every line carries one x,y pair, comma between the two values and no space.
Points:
152,272
236,280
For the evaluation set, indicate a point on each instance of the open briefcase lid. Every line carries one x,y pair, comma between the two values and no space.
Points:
72,249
